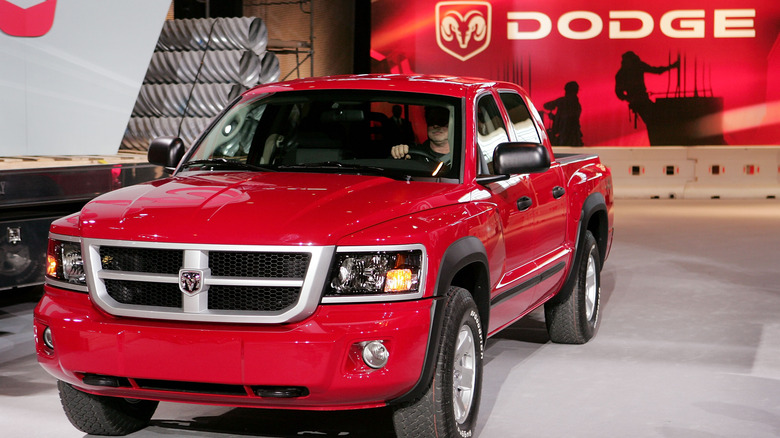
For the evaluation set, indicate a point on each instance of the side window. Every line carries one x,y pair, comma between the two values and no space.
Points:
520,117
490,131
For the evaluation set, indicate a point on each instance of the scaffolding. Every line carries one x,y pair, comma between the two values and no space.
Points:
302,50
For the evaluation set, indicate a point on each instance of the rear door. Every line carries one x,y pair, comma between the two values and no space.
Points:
550,208
516,202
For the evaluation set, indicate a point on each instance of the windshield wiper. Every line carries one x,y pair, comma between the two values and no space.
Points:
335,165
224,162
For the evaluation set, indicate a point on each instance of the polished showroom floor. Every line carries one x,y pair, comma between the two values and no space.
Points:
689,347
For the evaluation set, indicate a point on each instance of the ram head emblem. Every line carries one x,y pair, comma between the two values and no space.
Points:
463,28
455,26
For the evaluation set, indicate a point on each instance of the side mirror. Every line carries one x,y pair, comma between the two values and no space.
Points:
514,158
166,152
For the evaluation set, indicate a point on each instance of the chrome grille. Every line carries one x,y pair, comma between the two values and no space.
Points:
239,283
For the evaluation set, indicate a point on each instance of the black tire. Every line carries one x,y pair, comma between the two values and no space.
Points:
100,415
573,317
450,405
18,264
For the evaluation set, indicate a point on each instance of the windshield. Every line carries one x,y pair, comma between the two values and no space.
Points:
337,131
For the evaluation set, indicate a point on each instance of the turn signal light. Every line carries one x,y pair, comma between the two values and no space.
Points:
51,266
398,280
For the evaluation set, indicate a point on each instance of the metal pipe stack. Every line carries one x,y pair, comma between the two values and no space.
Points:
198,67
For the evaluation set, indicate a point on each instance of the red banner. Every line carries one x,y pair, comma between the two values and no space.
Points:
605,73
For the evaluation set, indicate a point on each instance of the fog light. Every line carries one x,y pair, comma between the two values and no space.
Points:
48,341
375,354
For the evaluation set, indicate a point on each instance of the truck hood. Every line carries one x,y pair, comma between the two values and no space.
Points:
257,208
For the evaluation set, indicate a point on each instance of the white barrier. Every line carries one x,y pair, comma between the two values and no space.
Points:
694,172
735,172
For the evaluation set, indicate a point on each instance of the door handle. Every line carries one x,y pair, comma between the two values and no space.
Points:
558,191
524,203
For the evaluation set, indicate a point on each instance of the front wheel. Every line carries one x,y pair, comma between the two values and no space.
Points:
449,406
101,415
573,317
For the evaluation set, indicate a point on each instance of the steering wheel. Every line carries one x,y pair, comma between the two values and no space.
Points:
421,155
428,159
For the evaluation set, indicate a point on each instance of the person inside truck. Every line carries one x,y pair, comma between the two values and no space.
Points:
399,129
437,146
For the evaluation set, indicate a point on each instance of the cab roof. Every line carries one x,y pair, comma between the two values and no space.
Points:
431,84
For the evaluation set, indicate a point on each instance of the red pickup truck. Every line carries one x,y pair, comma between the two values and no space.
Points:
329,243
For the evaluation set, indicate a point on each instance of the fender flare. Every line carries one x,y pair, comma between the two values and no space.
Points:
461,253
593,204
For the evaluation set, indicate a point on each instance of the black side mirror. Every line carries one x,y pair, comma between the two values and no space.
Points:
166,152
517,158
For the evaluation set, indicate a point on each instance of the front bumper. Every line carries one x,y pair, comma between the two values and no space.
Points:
312,364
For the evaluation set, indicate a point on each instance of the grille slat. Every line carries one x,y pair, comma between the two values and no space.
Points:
157,261
139,293
258,299
260,265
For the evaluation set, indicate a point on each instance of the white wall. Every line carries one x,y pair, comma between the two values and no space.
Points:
71,91
693,172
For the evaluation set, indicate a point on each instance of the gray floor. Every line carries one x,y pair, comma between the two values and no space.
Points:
689,347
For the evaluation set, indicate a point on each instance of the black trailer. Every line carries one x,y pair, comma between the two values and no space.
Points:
34,191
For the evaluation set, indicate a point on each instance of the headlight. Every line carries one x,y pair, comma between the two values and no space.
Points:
64,262
384,272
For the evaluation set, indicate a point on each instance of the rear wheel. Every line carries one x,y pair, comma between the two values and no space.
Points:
573,318
100,415
449,406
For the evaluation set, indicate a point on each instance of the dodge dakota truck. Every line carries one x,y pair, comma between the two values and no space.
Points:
330,243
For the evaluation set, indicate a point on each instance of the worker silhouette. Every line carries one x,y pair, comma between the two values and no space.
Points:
566,128
630,84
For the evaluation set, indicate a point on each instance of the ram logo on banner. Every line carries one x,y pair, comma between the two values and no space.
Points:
463,28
